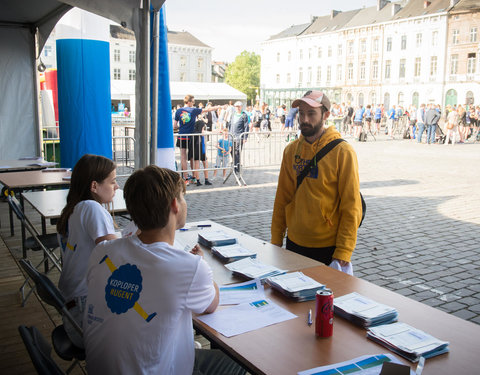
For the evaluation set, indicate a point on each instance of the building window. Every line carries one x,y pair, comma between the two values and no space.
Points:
362,70
403,44
278,78
200,77
418,65
131,74
300,76
433,66
434,38
363,46
131,56
471,62
183,76
289,55
47,51
453,64
329,73
419,40
339,72
200,62
309,75
309,53
339,50
116,73
455,34
388,67
389,44
319,75
301,54
350,71
278,56
401,101
350,47
319,53
289,77
473,35
183,61
401,71
376,43
329,51
375,70
116,55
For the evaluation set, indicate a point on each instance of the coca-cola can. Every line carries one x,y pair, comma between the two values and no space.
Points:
324,313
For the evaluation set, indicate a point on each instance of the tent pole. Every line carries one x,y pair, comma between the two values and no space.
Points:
145,95
154,127
36,86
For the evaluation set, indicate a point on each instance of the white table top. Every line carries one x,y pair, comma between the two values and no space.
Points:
50,203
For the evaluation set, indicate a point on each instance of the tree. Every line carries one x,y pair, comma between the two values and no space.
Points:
244,74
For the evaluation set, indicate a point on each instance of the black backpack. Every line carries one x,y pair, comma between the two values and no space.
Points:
324,151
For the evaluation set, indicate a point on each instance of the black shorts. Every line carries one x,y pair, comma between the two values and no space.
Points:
184,141
378,120
322,254
368,119
195,152
357,123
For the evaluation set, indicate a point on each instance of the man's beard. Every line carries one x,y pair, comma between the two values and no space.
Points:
308,130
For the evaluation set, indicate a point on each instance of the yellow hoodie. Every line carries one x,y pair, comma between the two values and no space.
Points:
326,210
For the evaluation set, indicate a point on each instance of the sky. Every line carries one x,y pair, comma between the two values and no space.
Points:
230,27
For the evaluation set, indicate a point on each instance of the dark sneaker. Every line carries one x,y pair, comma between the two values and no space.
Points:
199,183
207,182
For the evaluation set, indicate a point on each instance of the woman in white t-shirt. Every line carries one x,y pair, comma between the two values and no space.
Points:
83,224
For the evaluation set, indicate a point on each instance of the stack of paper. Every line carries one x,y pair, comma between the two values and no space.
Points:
363,311
211,238
296,285
233,252
253,269
233,294
409,342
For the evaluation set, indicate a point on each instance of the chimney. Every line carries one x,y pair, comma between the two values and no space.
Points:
395,9
313,18
334,13
381,4
453,3
427,3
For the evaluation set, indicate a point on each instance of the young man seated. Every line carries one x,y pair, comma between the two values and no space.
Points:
142,290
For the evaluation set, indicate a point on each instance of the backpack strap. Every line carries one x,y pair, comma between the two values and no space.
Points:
324,151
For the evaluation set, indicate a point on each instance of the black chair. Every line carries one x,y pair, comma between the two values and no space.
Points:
37,242
50,294
39,350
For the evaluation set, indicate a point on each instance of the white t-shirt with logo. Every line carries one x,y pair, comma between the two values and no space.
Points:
88,221
138,317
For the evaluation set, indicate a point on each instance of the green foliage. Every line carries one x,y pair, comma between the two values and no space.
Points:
244,74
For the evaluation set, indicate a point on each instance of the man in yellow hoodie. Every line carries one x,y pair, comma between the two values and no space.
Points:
322,216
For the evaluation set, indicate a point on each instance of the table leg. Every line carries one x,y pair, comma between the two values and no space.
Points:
22,206
10,214
44,231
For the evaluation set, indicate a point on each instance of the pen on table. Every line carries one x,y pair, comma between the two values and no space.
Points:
309,320
196,226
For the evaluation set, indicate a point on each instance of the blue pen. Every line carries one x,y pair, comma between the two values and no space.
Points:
196,226
309,321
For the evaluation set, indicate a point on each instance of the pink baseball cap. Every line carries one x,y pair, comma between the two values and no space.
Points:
313,99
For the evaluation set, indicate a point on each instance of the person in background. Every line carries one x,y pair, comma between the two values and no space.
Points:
186,117
142,290
378,119
238,130
431,119
420,116
83,224
224,147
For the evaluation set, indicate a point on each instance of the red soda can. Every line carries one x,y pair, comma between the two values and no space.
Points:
324,313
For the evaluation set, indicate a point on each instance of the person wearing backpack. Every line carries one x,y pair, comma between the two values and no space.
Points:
321,210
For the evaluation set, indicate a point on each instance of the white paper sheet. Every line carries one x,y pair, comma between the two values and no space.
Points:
234,294
246,317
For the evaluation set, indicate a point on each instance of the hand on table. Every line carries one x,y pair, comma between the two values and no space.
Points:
197,250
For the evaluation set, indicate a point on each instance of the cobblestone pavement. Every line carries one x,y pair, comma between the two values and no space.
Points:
420,235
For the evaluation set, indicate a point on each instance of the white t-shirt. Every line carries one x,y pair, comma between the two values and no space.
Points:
88,221
138,317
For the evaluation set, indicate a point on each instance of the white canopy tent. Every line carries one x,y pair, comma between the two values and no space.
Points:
205,91
24,27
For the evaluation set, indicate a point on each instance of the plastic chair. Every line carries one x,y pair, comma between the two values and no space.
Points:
39,350
50,294
37,242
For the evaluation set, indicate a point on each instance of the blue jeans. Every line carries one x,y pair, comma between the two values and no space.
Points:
431,130
421,128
